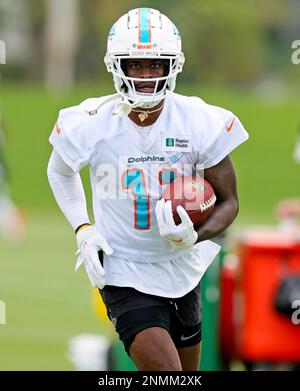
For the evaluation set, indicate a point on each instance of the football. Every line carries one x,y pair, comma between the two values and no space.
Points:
194,194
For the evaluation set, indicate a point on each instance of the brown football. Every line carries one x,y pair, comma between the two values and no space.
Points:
194,194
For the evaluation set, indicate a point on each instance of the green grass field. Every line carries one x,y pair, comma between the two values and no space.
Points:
47,303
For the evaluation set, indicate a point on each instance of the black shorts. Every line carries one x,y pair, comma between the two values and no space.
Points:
132,311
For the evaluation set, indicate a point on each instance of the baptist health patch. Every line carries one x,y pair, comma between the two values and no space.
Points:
176,143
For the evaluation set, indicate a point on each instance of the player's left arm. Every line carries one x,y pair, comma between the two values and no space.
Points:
222,177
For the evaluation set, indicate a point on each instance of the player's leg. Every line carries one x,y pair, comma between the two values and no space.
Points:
190,357
186,328
154,350
143,324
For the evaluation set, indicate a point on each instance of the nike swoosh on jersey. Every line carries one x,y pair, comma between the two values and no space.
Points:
58,129
183,338
229,127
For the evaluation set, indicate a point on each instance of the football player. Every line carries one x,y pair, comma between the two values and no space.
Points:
148,269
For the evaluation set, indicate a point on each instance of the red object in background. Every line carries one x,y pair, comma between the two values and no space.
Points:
261,333
227,329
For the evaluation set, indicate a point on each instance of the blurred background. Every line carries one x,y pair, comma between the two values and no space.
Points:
238,55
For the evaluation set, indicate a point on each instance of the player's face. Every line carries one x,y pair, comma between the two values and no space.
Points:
145,69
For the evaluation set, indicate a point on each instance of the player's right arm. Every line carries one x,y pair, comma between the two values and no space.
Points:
68,191
66,160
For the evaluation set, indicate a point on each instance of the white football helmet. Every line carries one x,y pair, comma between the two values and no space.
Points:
144,33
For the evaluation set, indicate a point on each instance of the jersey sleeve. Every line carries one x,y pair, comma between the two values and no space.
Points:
72,137
228,134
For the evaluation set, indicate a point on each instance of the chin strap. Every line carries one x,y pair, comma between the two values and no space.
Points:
93,105
123,108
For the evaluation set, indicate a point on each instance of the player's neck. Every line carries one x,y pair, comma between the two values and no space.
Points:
146,117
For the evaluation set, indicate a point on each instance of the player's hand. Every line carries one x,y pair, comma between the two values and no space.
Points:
183,235
90,241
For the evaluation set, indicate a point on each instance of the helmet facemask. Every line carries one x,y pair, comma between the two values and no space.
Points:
125,85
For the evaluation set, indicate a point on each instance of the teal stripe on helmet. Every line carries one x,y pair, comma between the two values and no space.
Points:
144,24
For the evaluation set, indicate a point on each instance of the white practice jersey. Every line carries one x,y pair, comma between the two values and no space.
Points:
128,174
